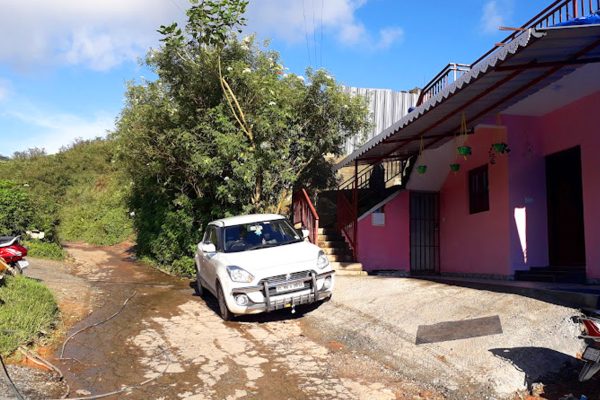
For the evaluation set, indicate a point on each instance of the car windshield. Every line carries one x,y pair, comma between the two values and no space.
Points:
258,235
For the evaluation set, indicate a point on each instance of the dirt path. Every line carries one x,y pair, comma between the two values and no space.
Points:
167,333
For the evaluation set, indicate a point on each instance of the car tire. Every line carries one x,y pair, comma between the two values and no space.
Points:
223,310
198,285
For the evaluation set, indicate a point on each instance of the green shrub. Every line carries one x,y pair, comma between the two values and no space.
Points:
49,250
28,310
95,212
183,266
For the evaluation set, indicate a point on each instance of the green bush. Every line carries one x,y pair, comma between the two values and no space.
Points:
16,211
28,310
95,212
49,250
77,194
184,267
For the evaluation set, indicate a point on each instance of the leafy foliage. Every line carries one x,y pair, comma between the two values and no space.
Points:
42,249
224,130
28,310
16,211
76,194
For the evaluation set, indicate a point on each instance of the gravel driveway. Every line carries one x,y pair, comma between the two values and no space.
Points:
360,345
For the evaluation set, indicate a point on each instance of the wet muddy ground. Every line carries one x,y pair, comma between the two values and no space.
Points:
177,346
167,343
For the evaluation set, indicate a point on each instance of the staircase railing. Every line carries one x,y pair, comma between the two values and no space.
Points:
306,214
347,220
392,169
354,190
557,12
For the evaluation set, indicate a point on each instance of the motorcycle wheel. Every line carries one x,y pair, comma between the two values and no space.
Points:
588,371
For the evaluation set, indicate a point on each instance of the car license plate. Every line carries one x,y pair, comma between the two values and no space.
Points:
23,264
289,286
591,354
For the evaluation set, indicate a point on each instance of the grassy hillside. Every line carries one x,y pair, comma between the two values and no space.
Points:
77,194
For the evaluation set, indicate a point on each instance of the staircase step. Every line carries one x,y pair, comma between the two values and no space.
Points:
333,244
331,238
339,258
338,251
346,266
351,273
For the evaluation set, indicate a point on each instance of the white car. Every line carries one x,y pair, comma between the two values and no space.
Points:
260,263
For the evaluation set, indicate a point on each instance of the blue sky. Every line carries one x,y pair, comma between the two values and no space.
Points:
64,64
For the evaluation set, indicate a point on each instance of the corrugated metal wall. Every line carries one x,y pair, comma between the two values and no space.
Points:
386,107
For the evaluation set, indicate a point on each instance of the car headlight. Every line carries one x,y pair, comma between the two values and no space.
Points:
238,274
322,260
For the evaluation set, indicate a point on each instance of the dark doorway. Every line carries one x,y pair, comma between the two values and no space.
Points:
424,232
566,239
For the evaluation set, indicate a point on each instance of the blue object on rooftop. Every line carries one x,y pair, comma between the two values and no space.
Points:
589,20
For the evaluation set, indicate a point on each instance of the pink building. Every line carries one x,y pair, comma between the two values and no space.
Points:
529,213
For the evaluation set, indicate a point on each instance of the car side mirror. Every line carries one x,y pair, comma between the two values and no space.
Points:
305,233
208,248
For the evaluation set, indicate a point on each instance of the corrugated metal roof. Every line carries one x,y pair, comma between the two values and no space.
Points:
492,85
386,107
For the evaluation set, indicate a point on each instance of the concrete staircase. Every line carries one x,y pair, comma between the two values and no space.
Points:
338,252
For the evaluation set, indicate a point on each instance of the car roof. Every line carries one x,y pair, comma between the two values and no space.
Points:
246,219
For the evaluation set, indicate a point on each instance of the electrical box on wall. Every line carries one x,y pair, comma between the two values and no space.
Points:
378,219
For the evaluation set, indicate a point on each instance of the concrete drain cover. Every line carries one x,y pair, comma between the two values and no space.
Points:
454,330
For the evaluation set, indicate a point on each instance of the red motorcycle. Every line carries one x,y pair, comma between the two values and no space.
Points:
590,323
12,255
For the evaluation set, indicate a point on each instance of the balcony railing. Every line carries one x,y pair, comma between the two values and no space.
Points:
557,12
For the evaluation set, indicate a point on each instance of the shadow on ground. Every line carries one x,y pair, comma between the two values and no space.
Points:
273,316
558,372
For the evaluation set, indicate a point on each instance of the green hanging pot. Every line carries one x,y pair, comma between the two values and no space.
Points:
464,150
500,148
421,169
454,167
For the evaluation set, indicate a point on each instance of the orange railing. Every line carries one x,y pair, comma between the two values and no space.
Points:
306,215
347,218
557,12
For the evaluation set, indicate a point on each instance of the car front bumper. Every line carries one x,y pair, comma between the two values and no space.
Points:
262,299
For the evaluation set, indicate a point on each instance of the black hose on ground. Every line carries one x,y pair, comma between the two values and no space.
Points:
19,396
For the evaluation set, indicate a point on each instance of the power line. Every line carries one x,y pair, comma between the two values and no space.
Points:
306,32
177,5
314,32
321,44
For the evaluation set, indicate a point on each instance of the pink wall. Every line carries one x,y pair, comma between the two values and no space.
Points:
535,138
476,243
527,180
386,247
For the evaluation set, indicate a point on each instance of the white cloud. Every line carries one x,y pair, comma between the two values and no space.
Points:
99,34
52,130
495,14
4,89
389,36
296,21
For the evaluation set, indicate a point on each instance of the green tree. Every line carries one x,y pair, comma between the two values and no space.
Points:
224,130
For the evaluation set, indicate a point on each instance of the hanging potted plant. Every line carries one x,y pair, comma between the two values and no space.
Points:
500,148
464,150
454,167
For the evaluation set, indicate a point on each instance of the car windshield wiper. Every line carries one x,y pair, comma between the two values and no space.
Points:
267,245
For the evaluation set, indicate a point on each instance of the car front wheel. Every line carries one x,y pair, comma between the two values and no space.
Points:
223,310
198,286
